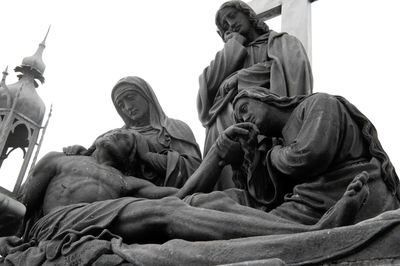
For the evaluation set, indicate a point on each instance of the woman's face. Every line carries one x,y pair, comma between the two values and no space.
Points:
135,106
265,117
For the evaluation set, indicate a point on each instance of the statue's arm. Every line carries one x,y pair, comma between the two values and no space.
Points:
202,180
156,161
141,188
226,61
223,152
36,184
205,177
316,143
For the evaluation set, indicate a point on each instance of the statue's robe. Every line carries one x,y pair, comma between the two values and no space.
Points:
326,143
347,145
176,141
175,154
276,61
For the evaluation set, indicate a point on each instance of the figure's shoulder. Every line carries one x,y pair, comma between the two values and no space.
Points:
322,97
177,122
181,127
282,35
50,158
53,154
321,101
181,131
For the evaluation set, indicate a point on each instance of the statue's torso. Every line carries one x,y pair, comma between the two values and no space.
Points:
80,179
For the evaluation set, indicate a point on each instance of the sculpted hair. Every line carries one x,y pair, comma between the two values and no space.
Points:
241,6
126,164
266,96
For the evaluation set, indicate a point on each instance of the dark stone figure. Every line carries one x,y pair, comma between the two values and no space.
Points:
92,214
253,55
167,151
11,214
325,141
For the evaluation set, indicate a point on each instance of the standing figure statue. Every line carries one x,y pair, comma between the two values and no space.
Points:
253,55
167,152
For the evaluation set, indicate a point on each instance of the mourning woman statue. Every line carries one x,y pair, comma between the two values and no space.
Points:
166,150
253,55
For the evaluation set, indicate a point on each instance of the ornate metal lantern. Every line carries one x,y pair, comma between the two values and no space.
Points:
22,111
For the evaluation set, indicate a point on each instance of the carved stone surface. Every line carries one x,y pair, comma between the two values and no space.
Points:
88,196
166,152
253,55
313,183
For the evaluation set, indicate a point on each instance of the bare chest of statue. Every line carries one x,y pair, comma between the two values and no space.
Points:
81,179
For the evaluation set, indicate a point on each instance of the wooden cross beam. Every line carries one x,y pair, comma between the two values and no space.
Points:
295,17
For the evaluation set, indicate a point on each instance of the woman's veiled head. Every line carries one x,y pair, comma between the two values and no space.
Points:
136,103
268,111
241,6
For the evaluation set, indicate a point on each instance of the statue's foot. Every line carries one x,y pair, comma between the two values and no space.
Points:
345,210
357,191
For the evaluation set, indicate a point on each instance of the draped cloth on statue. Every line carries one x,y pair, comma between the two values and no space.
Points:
164,135
276,61
326,143
374,239
72,235
78,235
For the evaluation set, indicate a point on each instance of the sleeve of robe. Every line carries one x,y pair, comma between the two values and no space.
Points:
287,71
226,61
257,75
291,72
314,131
183,160
177,163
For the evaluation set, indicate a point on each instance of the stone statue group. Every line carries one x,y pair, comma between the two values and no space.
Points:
287,176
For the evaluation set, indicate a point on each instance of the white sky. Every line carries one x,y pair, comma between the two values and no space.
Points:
94,43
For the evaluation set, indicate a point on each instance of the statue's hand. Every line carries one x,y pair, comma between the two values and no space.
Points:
74,150
234,36
241,130
142,148
228,145
229,83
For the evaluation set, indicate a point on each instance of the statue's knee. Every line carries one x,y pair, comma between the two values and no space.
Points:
172,203
207,200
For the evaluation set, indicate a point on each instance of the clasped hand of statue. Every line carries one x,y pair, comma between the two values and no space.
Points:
234,36
75,150
228,143
142,147
229,83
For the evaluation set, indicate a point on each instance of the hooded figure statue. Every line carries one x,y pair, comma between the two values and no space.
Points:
167,152
326,141
173,152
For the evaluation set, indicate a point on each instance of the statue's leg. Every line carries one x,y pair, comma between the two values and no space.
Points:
155,221
345,210
145,221
170,218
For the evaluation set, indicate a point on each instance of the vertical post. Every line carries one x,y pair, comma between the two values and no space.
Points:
27,156
295,17
40,141
296,20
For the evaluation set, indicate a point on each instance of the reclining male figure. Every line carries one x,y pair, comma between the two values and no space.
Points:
90,190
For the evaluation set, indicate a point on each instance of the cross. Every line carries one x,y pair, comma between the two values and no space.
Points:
296,17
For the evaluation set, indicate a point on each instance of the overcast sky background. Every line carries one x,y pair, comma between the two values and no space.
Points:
92,44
